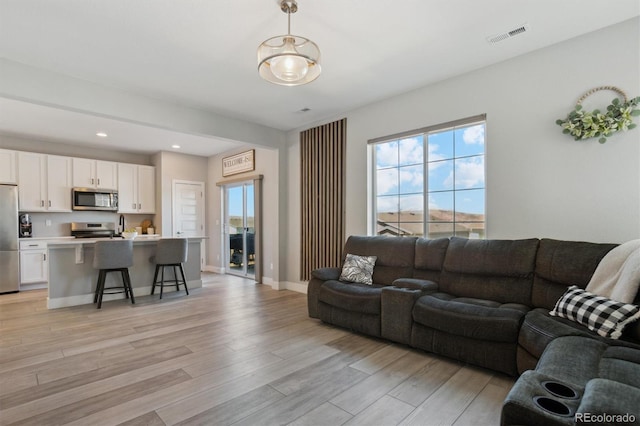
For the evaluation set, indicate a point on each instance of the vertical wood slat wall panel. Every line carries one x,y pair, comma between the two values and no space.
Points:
322,180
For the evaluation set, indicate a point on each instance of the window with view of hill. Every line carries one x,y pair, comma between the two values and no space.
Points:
431,182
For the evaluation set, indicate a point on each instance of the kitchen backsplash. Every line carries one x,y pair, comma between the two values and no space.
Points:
60,222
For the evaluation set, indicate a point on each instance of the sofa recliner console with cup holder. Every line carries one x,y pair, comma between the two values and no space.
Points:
488,303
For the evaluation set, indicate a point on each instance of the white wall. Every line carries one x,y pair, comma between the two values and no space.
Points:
540,183
267,163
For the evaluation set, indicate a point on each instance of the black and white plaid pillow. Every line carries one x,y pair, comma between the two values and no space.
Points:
604,316
358,269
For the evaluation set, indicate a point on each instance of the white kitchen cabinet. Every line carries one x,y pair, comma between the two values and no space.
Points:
8,160
94,174
136,189
44,182
84,173
32,170
106,175
58,183
127,188
34,263
146,189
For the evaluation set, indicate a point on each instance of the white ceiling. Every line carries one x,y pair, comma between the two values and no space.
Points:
60,125
202,54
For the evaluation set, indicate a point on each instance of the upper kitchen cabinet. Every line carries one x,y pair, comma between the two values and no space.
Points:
146,189
44,182
136,189
94,174
59,183
8,161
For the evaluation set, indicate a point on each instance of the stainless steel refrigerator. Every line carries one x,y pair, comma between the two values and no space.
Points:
9,256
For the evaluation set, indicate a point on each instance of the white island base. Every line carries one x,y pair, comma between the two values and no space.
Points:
72,278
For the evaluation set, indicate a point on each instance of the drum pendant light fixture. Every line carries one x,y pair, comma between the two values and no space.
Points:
289,60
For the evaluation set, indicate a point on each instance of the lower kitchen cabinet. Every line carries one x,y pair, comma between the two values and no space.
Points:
34,265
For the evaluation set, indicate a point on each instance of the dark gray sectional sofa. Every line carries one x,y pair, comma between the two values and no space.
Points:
560,264
577,380
485,302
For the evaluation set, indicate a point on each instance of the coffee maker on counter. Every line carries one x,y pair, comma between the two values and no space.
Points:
25,229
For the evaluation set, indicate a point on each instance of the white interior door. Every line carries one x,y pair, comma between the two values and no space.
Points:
188,211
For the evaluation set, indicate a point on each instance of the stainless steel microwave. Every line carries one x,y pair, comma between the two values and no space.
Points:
93,199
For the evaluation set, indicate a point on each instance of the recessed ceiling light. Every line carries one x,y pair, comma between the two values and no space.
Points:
101,134
175,146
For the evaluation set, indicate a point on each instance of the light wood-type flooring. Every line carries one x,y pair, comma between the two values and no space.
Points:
231,353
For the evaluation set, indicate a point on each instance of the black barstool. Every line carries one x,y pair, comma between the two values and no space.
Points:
170,252
113,256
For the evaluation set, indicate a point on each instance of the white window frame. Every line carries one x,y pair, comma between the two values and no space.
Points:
424,132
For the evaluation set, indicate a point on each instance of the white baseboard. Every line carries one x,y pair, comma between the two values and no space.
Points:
300,287
285,285
87,299
296,286
270,282
216,269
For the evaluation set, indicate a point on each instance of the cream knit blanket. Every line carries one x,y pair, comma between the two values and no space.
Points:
618,273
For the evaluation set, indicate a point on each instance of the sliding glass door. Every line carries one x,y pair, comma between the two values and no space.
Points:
240,252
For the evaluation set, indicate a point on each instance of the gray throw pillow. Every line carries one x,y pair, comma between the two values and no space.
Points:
358,269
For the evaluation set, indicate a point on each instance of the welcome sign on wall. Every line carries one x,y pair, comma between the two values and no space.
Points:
239,163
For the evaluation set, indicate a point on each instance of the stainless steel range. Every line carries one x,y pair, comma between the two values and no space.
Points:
93,229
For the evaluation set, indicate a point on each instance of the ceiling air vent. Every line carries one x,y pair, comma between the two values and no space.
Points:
512,33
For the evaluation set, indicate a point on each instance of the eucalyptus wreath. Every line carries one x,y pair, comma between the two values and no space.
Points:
583,124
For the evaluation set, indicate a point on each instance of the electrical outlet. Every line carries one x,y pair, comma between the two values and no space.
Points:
272,266
47,222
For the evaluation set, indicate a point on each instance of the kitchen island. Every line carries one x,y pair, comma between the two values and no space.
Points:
72,278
